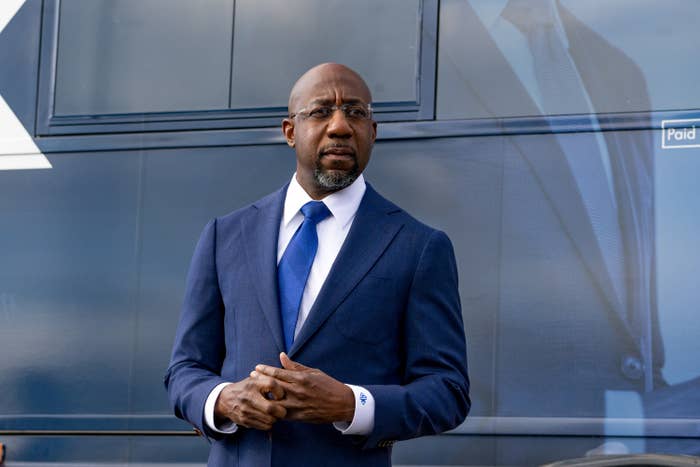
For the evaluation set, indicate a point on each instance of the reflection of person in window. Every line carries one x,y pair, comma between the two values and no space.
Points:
576,310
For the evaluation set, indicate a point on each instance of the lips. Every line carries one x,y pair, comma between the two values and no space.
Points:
337,158
344,151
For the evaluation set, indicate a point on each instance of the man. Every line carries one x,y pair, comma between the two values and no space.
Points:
571,303
573,190
276,369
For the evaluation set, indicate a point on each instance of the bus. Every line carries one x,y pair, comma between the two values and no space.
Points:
554,141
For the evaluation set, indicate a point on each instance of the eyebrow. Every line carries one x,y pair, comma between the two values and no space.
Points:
329,101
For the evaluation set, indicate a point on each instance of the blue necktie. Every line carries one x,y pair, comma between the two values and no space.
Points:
293,269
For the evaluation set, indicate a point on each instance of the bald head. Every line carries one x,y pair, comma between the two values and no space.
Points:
329,75
330,127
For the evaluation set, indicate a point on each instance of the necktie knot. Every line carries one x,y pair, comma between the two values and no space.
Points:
315,211
529,15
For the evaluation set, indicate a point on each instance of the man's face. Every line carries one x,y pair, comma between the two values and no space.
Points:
332,148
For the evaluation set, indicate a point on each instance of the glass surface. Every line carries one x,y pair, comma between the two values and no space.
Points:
136,56
275,43
626,56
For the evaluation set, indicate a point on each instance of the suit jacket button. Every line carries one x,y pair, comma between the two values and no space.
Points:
632,367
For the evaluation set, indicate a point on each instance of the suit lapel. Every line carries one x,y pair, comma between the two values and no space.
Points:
542,153
548,162
260,233
371,233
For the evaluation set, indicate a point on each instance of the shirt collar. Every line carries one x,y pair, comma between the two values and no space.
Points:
342,204
488,11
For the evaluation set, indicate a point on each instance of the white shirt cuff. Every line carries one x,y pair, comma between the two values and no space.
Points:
363,419
226,427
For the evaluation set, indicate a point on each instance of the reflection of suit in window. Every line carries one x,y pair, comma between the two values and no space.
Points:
560,337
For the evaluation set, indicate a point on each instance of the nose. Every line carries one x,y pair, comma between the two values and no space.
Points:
338,125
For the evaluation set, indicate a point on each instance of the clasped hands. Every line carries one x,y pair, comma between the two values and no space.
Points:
293,392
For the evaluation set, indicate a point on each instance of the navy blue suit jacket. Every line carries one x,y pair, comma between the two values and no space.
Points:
388,318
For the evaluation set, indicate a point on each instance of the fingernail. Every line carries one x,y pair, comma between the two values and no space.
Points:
253,374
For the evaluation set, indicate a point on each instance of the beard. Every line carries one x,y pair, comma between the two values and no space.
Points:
335,179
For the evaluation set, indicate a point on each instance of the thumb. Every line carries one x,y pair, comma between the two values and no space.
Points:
289,364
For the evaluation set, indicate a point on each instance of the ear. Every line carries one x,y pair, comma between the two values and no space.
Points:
288,130
374,131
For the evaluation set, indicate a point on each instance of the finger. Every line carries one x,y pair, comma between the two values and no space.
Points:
290,364
269,387
275,409
293,405
266,409
276,390
262,410
257,421
278,373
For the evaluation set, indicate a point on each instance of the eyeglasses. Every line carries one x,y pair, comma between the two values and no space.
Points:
355,112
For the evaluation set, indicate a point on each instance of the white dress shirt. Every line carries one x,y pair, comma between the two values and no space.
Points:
332,231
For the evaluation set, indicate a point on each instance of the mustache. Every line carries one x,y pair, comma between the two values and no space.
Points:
336,147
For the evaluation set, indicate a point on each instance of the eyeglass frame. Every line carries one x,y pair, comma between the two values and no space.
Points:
304,112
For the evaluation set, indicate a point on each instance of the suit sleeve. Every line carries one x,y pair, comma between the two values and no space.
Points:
199,348
434,396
